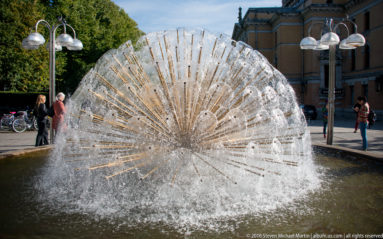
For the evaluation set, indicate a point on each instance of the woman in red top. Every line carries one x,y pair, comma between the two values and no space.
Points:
59,109
363,119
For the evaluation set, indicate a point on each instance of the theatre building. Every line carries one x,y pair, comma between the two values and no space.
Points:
277,32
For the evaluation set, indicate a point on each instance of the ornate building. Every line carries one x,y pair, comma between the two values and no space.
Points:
277,32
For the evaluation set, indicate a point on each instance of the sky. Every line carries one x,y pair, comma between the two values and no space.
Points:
218,16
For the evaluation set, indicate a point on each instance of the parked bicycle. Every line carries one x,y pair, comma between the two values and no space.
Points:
7,120
25,120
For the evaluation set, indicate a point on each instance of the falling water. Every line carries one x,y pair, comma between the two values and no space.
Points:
184,128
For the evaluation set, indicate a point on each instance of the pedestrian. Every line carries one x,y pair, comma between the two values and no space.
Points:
325,118
356,110
363,119
40,111
59,112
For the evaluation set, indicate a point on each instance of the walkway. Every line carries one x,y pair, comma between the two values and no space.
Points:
12,143
344,136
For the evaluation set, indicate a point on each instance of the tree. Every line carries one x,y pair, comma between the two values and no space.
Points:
99,24
20,70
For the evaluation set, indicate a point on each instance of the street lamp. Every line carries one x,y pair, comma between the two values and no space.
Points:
329,41
35,39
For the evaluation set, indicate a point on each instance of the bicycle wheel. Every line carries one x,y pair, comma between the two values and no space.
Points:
19,125
6,123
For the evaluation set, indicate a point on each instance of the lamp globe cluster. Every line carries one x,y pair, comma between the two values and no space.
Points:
331,38
35,39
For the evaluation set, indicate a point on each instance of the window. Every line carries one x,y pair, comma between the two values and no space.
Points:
379,83
352,28
366,56
367,21
352,95
276,49
326,72
353,59
365,90
275,39
276,59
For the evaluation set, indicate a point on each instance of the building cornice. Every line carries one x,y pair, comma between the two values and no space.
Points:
272,9
256,22
352,3
324,8
269,10
276,17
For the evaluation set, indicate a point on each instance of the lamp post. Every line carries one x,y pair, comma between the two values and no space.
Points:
35,40
329,41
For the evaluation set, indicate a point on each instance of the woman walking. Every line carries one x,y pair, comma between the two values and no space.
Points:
58,118
363,119
40,111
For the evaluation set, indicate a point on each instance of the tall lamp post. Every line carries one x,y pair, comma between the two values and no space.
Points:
35,40
329,41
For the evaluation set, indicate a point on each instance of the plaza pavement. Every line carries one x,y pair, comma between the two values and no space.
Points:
12,144
344,138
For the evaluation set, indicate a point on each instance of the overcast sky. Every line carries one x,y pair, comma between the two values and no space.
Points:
217,16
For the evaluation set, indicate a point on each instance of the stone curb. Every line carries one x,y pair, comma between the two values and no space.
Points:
25,151
347,151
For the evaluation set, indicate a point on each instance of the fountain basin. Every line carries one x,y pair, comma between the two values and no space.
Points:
350,200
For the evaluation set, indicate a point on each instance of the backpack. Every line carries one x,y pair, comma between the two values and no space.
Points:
371,117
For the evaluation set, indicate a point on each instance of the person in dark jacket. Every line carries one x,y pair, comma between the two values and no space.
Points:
41,113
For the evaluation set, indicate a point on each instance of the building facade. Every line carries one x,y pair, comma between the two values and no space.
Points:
277,32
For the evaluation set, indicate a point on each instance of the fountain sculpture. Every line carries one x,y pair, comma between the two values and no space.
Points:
183,127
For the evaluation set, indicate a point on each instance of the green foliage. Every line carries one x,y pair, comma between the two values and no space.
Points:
19,69
99,24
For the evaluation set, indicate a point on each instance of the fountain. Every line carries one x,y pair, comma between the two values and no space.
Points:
186,128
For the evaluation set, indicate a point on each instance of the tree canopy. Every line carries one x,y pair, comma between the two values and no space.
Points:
100,25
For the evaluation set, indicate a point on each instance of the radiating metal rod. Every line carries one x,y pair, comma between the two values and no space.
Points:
126,170
219,171
156,168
